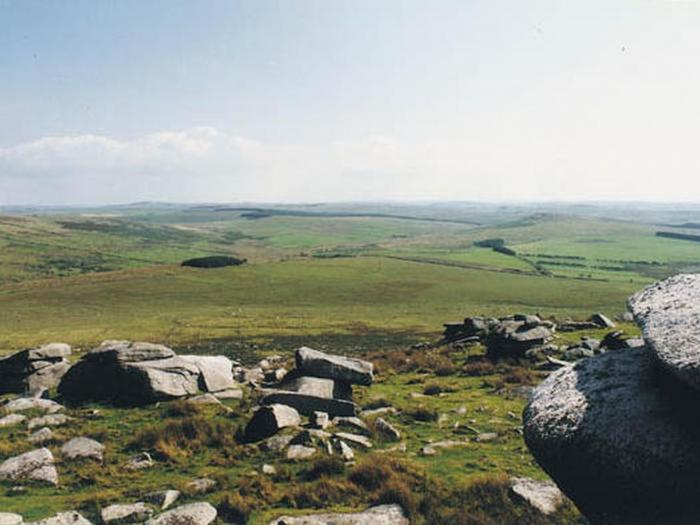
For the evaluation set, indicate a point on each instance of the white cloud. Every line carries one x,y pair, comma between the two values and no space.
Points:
206,164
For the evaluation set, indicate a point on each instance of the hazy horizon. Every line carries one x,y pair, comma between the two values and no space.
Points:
349,101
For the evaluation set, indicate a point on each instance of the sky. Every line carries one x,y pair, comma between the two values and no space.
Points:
345,100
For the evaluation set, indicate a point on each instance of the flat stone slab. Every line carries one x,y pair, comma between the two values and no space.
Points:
619,439
669,314
381,515
319,364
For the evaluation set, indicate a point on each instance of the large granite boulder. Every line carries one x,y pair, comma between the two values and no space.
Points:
130,373
34,369
37,466
268,420
669,314
215,372
621,440
319,364
381,515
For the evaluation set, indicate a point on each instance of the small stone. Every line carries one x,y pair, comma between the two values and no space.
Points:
355,439
83,448
200,486
544,496
12,420
231,393
51,420
270,470
63,518
122,514
485,437
37,465
162,498
300,452
191,514
344,449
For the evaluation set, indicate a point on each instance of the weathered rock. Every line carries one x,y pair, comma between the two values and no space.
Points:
277,443
140,461
215,372
163,499
11,420
348,369
355,424
602,321
544,496
30,403
123,514
344,450
205,399
512,337
621,440
34,369
63,518
432,448
51,420
319,420
578,352
268,420
200,486
300,452
83,448
307,404
132,373
41,436
311,436
37,465
8,518
191,514
669,314
381,515
231,393
355,439
387,429
269,470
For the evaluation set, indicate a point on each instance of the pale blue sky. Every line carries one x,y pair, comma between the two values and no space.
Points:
341,100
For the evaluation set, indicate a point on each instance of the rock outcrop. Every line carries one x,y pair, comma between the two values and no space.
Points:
381,515
34,369
137,373
268,420
319,364
619,433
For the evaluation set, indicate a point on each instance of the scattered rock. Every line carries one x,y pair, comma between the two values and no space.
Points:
12,420
83,448
231,393
307,404
126,514
513,336
37,465
352,423
348,369
381,515
269,470
544,496
201,486
8,518
387,429
163,499
140,461
51,420
276,443
311,436
355,439
602,321
215,372
63,518
344,450
31,403
379,411
300,452
191,514
268,420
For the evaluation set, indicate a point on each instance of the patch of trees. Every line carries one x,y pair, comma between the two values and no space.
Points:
490,243
681,236
547,256
213,261
504,250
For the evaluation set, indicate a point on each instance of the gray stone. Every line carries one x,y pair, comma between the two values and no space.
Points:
381,515
30,403
123,514
387,429
578,352
191,514
669,314
163,499
140,461
37,465
276,443
307,404
11,420
215,371
83,448
621,441
544,496
231,393
602,320
33,369
319,420
344,450
205,399
432,448
8,518
300,452
63,518
200,486
355,424
41,436
512,337
51,420
355,439
348,369
316,386
268,420
269,470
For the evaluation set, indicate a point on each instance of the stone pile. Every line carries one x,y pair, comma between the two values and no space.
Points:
34,370
620,432
123,372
